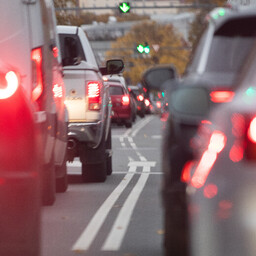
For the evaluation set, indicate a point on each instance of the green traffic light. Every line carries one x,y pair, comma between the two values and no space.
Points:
140,48
124,7
143,49
147,49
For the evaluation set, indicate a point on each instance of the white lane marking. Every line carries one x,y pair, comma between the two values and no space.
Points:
141,125
130,139
130,159
85,240
156,136
115,238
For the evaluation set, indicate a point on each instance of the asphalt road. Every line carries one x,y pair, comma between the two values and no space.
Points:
121,217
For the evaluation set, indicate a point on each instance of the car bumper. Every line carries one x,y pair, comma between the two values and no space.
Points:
89,133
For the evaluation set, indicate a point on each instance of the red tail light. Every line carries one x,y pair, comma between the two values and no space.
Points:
36,57
221,96
125,100
93,92
140,97
55,51
216,145
8,84
57,91
250,141
158,104
147,102
252,130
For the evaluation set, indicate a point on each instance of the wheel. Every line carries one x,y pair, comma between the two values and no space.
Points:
95,170
109,152
128,123
174,196
48,183
176,226
62,182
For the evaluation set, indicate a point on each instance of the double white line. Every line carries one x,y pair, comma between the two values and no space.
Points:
116,235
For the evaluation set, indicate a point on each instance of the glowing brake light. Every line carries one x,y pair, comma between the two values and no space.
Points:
158,104
140,97
222,96
125,100
55,51
252,130
57,91
216,145
147,102
8,85
37,75
93,92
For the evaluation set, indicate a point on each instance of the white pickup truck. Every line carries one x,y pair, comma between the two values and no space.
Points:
88,103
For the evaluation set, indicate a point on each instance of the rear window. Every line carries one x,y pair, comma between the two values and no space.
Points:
71,49
116,90
231,45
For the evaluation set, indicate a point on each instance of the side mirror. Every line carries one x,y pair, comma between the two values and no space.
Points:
158,77
112,67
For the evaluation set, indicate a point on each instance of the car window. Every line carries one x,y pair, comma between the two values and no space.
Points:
116,90
196,53
231,45
71,49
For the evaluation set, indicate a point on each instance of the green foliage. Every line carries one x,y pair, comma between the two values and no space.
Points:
171,49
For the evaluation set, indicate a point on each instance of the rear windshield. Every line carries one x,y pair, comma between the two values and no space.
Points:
71,49
231,45
116,90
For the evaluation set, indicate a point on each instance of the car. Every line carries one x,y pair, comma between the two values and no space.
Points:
88,103
33,126
221,176
215,65
123,111
138,94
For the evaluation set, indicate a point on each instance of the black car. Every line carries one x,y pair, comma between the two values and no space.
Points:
210,79
138,94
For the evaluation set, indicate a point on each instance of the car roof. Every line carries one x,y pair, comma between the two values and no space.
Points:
67,29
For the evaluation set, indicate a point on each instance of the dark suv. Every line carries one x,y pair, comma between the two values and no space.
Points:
215,63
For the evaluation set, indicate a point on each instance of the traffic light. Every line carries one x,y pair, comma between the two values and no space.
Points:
140,48
124,7
143,48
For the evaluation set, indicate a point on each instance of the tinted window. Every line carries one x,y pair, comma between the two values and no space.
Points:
116,90
231,45
190,101
71,49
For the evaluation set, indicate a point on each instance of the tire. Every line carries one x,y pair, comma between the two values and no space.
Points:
48,183
109,152
96,172
62,182
128,124
176,226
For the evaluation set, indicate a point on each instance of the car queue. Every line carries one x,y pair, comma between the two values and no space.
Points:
208,148
65,103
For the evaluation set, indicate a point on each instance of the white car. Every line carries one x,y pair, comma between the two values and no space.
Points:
88,103
33,122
